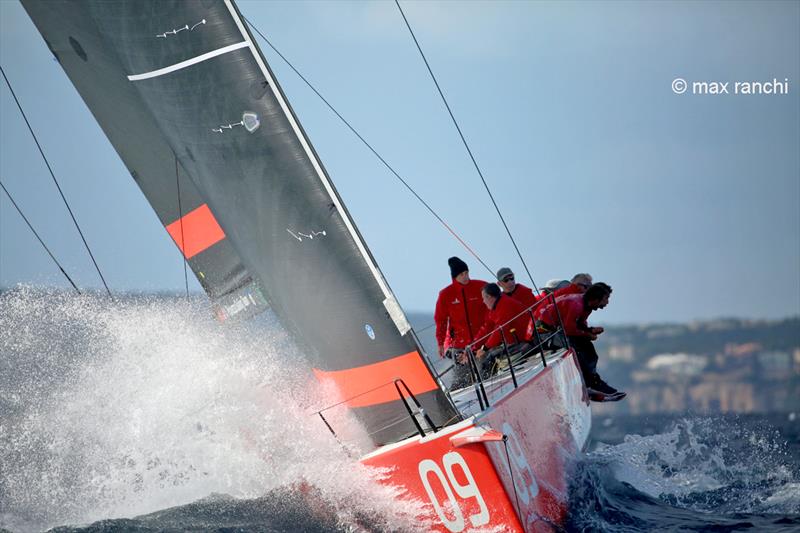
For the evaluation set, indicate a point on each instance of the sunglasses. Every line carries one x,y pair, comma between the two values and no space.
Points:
507,279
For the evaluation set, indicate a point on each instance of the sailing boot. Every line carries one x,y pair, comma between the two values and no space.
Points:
600,385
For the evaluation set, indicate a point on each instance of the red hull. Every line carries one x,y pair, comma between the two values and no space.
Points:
464,472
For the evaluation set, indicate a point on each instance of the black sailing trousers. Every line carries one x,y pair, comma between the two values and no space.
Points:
587,358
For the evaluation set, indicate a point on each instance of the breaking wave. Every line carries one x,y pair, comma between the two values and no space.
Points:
114,409
702,474
144,413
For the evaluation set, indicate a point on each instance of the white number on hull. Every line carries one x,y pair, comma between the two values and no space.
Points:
522,470
426,467
469,490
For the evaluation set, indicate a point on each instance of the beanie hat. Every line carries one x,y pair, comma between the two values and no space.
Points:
457,266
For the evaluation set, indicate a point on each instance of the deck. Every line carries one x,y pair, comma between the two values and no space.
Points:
502,384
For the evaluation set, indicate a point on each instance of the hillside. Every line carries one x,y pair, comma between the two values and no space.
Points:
725,365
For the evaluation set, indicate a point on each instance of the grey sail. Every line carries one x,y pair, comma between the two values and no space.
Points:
187,100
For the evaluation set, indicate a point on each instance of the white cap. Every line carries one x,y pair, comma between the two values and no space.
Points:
555,284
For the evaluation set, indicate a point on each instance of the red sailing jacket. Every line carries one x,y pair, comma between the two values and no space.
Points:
505,308
459,313
573,314
564,291
523,295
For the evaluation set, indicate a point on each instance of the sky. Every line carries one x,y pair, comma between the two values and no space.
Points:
688,205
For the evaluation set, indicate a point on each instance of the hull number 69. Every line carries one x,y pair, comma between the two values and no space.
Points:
450,511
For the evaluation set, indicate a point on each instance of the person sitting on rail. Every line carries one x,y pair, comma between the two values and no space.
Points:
518,291
561,287
553,287
574,310
583,280
579,284
506,326
459,315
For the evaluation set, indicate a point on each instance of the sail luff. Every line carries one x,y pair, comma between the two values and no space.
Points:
309,151
391,303
366,253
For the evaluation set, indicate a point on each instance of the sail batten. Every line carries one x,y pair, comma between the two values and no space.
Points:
263,225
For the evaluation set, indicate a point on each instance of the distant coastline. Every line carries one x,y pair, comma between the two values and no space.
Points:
720,366
725,365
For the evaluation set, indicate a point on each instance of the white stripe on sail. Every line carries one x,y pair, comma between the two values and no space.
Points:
188,62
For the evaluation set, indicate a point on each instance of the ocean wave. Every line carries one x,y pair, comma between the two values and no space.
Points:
144,413
115,409
702,473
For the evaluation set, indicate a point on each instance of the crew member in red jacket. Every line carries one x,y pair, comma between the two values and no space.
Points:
506,314
579,284
574,310
459,315
518,291
459,310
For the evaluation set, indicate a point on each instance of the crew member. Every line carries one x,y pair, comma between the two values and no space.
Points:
459,316
518,291
574,310
577,285
502,311
550,290
506,326
459,309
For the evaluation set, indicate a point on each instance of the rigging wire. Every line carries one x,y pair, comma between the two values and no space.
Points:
513,483
46,249
374,152
52,174
429,326
466,145
180,217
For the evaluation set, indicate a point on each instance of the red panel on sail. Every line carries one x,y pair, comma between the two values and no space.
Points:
378,378
200,231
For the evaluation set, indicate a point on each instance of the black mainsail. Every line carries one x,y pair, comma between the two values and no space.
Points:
188,101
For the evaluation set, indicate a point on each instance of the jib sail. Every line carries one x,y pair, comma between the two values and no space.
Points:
189,103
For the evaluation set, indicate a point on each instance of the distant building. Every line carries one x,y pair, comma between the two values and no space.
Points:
621,352
739,356
679,364
775,365
723,397
672,368
744,350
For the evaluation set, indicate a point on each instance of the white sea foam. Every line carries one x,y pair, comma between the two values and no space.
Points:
787,497
709,465
115,409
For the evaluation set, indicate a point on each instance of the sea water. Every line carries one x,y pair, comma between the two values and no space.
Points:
689,473
123,408
143,413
